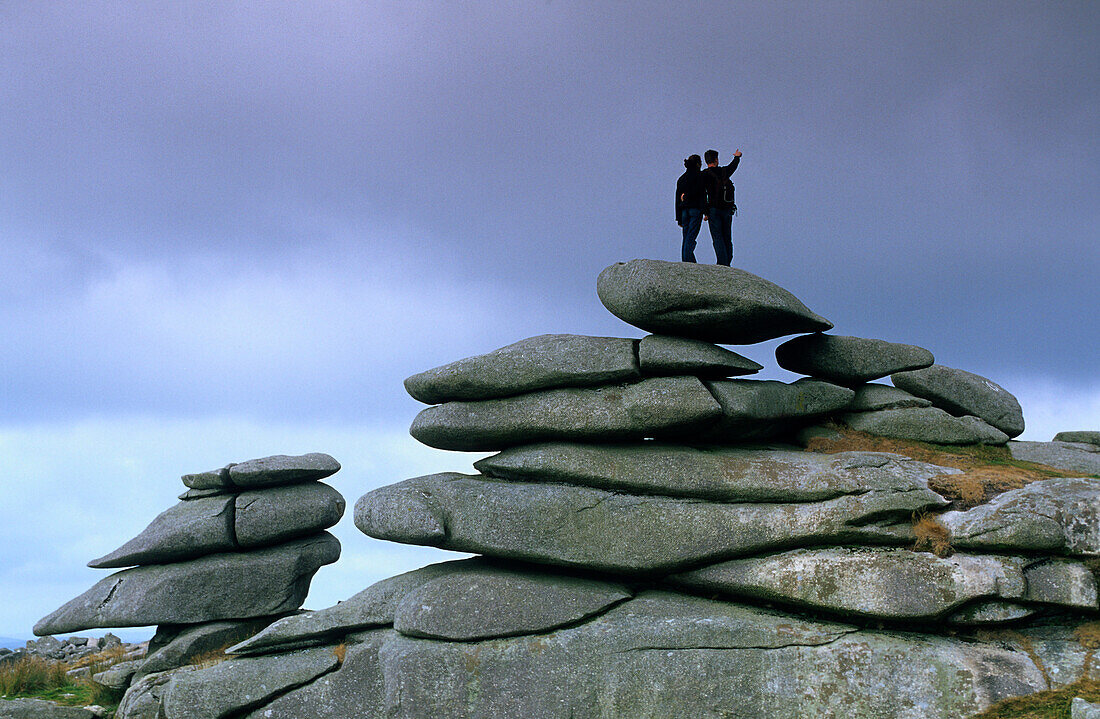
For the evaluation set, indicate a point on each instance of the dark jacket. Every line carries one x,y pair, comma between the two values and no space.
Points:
715,178
691,186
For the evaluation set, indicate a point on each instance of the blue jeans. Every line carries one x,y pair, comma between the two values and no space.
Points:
720,222
691,221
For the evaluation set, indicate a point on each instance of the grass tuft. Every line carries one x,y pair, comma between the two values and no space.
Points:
32,674
931,535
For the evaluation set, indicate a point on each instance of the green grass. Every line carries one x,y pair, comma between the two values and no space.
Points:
37,678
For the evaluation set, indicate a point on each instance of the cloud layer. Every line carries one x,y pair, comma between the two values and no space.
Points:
230,231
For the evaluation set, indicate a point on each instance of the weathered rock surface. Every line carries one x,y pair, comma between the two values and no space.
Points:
197,527
596,529
278,514
1071,456
40,709
1056,642
234,585
372,607
231,687
265,472
1082,709
1061,516
871,397
896,584
764,409
964,393
990,611
210,482
118,676
189,641
666,655
666,355
190,529
925,424
1059,581
849,360
356,689
727,474
1085,437
144,699
282,469
653,407
200,493
536,363
505,602
705,302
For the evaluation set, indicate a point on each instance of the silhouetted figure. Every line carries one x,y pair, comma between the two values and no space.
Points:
691,203
720,204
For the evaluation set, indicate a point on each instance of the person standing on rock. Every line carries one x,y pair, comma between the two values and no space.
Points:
691,203
720,205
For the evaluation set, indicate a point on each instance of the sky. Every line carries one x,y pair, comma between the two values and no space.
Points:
230,230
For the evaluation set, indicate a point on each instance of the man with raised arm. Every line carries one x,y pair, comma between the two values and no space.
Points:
720,204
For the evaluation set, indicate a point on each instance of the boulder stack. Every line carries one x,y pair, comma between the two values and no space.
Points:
238,551
647,548
651,542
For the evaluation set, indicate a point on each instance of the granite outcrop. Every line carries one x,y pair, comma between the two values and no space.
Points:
653,539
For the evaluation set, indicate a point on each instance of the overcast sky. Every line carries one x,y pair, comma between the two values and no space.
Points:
231,229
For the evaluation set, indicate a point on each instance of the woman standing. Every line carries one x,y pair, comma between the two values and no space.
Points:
691,199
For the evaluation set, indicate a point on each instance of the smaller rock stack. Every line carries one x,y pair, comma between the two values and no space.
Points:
236,553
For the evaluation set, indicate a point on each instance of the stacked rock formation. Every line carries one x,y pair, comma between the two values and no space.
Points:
648,550
238,551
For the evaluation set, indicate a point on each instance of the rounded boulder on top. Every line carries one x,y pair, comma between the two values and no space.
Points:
717,304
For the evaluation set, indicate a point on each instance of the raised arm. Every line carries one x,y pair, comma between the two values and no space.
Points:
732,167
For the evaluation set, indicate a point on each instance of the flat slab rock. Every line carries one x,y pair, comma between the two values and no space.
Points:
508,602
704,302
622,533
542,362
663,654
985,612
871,397
228,688
964,393
234,585
925,424
1061,516
728,474
849,360
894,584
435,601
373,607
256,518
1071,456
1086,437
265,472
666,355
653,407
757,410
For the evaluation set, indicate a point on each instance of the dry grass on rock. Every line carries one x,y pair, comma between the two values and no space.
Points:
931,535
1051,704
986,471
